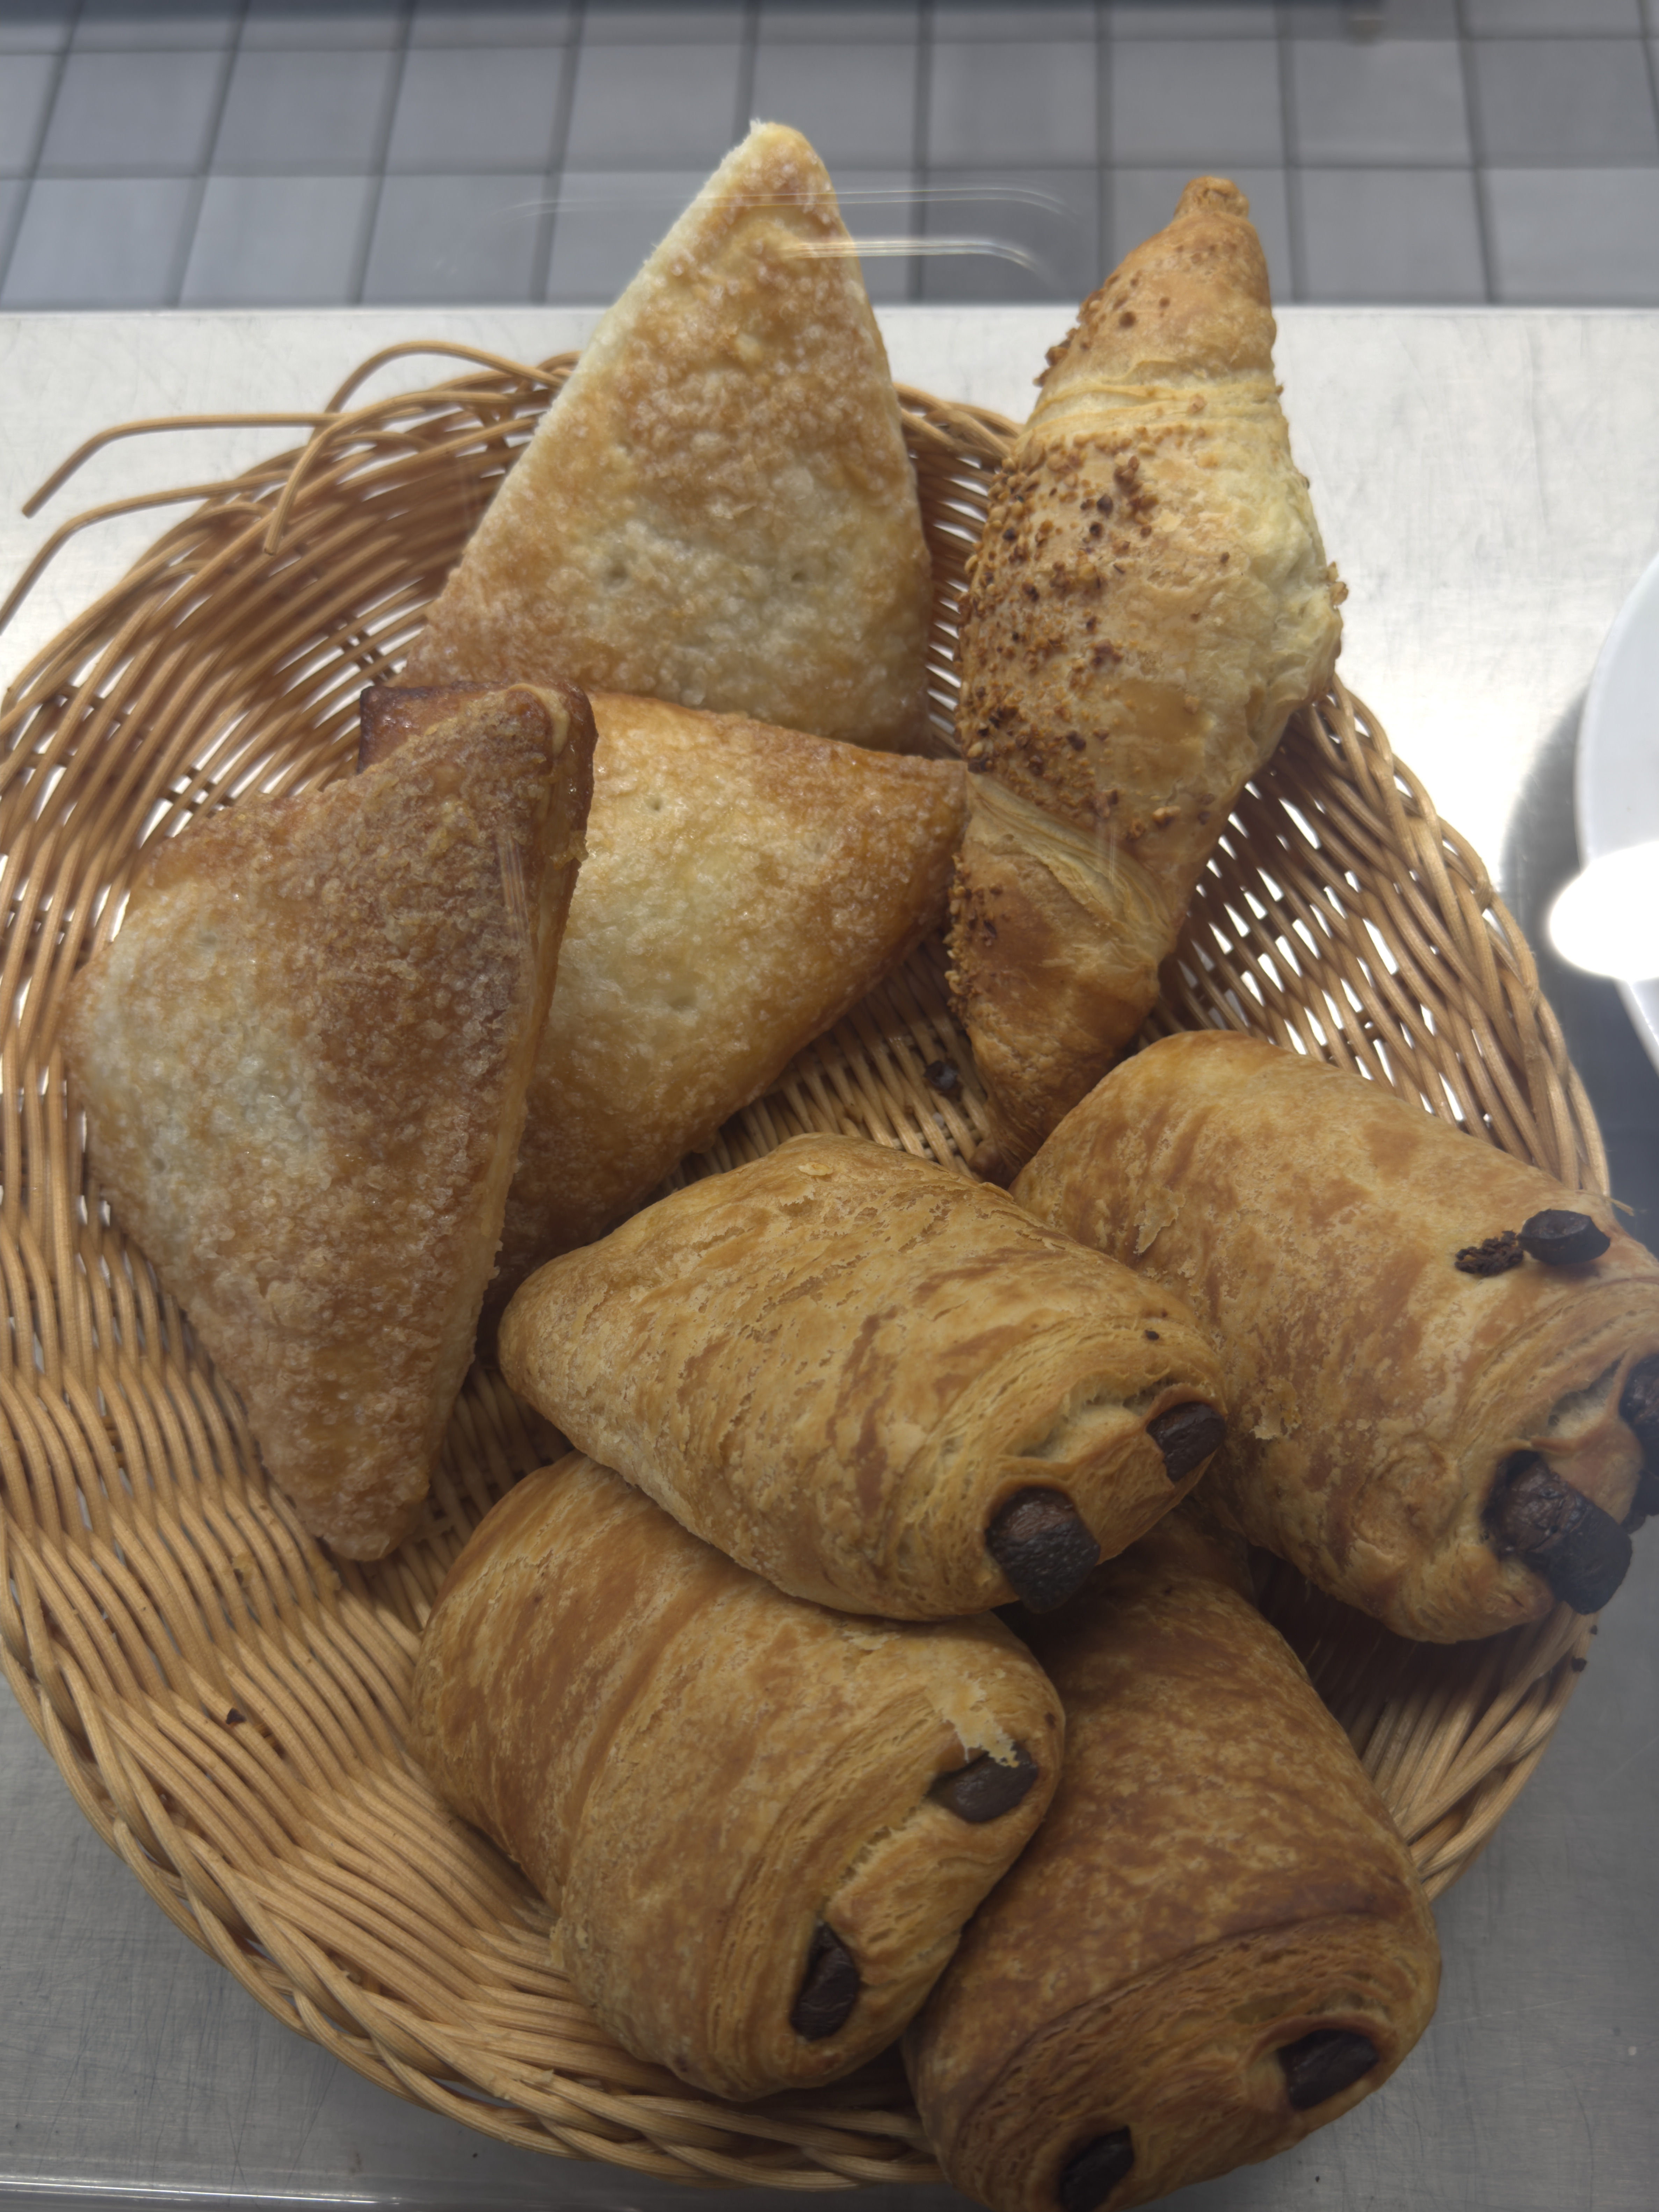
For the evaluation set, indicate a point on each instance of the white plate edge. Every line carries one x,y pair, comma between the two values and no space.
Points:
1601,745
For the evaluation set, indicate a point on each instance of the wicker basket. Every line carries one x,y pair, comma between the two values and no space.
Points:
226,1702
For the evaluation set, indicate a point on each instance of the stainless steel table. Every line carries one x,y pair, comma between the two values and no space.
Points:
1488,482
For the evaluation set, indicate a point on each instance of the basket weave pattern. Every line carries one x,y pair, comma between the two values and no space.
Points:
226,1702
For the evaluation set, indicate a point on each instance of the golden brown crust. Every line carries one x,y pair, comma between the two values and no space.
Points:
1215,1880
1313,1221
718,508
839,1364
1149,603
699,1770
304,1061
743,887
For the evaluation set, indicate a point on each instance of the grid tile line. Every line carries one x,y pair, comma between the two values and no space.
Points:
187,238
1482,198
60,62
547,228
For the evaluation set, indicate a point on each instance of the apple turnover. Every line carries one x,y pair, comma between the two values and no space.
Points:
718,508
743,887
304,1058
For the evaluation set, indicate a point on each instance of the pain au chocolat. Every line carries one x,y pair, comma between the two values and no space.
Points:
1149,603
1442,1366
1215,1942
762,1824
304,1059
879,1383
743,886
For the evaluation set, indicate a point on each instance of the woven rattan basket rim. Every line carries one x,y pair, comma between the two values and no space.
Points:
224,1699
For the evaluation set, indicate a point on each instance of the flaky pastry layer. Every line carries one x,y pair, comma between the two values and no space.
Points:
1216,1879
743,886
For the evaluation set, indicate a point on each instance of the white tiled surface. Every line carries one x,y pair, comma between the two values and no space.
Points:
286,151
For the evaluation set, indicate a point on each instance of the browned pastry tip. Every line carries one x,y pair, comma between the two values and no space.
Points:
389,716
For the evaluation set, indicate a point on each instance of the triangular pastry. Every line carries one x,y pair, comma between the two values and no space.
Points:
303,1061
743,887
718,508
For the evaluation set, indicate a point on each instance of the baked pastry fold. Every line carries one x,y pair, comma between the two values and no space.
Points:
1149,603
304,1059
743,887
1216,1942
1387,1380
846,1367
718,508
717,1786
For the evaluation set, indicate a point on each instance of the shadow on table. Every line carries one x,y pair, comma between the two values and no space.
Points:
1541,854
